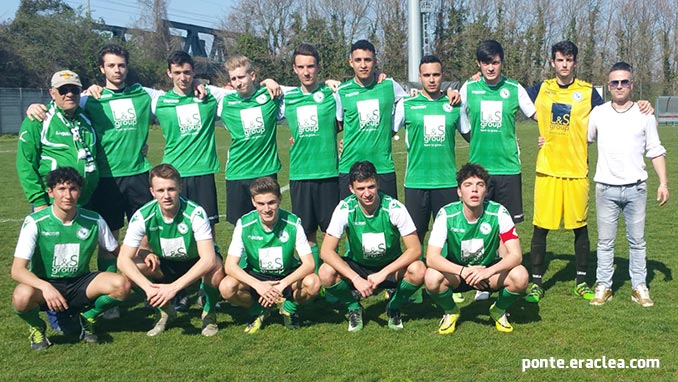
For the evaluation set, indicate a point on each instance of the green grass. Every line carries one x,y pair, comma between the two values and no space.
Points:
562,326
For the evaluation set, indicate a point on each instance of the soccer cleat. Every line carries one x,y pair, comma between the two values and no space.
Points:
87,330
601,295
180,301
482,295
394,320
458,298
39,340
583,291
641,295
449,322
535,293
355,320
209,324
257,323
112,313
500,318
291,320
167,314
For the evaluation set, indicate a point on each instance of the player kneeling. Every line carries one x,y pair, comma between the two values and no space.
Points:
179,236
58,243
471,230
268,237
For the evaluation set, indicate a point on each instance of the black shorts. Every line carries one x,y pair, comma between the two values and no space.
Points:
74,290
422,204
116,197
464,287
238,199
287,292
314,201
388,184
202,190
390,282
507,190
172,270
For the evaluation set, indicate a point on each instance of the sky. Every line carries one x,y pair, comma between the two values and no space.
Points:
207,13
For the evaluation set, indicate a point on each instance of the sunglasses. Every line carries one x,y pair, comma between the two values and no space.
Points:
69,89
617,83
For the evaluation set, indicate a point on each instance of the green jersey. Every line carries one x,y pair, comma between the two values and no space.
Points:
369,115
312,121
173,239
188,126
373,241
58,141
121,120
472,243
429,138
57,250
488,112
270,252
252,123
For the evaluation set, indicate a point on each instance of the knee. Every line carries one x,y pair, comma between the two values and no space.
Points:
228,287
433,280
518,279
311,284
121,287
22,298
327,275
415,273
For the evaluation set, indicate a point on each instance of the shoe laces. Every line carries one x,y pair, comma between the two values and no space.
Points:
643,292
36,335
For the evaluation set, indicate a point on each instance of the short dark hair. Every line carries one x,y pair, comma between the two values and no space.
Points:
265,185
64,175
621,65
361,171
470,170
115,49
566,48
430,59
363,45
179,58
164,171
306,50
488,49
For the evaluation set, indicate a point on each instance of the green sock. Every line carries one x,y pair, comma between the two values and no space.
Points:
101,304
217,249
444,300
506,298
32,317
402,294
105,264
290,306
342,291
316,257
255,310
211,297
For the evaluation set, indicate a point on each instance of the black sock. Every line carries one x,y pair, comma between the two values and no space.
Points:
537,253
582,246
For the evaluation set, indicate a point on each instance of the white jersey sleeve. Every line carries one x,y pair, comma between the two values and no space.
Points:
219,93
465,123
301,242
526,104
201,225
438,234
136,230
339,220
237,247
25,246
507,228
401,218
154,94
340,108
106,238
398,110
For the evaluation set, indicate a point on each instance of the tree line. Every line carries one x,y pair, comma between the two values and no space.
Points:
48,35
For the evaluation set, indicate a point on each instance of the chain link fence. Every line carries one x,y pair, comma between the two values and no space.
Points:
13,105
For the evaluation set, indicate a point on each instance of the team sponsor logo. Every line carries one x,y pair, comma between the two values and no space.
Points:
48,234
490,115
83,233
504,93
477,91
66,258
447,108
234,103
63,133
577,96
352,94
472,251
124,115
283,236
318,97
183,228
458,230
374,244
170,101
417,107
560,118
262,98
252,122
189,119
368,112
173,247
255,237
485,228
307,118
434,129
271,259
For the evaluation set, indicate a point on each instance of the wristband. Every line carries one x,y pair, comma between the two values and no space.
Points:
461,272
355,277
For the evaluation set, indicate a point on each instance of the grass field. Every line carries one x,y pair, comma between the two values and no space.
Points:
561,326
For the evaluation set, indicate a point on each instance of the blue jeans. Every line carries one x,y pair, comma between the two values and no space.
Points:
610,201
